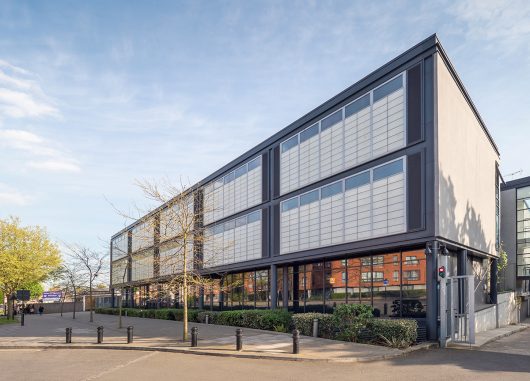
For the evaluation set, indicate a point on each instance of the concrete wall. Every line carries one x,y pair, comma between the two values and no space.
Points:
465,178
507,311
486,319
55,308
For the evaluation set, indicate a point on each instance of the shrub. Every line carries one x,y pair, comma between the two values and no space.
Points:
256,319
395,333
201,316
350,319
304,323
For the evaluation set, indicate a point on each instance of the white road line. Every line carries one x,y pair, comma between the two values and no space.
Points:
120,366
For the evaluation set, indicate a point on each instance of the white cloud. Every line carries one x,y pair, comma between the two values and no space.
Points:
21,96
55,166
11,196
50,156
503,22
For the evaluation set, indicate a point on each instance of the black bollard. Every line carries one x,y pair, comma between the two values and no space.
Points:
100,334
68,335
239,339
194,336
22,319
296,342
129,334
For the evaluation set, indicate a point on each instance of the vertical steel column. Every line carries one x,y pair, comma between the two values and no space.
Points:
432,292
493,280
274,287
442,260
285,287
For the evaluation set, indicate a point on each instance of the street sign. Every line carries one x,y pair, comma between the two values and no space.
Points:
23,295
385,282
51,296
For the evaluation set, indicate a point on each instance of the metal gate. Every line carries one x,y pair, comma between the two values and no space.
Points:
457,324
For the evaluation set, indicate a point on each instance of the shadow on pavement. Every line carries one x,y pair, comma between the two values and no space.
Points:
474,360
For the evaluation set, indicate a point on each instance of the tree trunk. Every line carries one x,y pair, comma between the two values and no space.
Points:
10,309
90,294
185,294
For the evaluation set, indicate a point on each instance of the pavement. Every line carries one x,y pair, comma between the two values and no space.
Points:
483,338
48,332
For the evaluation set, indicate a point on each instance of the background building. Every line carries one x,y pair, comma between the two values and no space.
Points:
358,201
515,234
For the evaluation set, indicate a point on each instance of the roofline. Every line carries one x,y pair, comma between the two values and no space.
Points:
517,183
431,43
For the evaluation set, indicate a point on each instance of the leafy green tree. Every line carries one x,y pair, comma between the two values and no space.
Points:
27,256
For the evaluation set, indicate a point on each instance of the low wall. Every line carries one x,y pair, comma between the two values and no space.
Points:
505,312
508,308
55,308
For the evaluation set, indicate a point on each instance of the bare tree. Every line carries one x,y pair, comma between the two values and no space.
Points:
91,264
188,247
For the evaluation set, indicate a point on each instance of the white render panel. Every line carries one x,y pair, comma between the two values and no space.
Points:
465,169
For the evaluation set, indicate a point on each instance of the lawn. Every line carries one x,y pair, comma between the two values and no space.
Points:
3,320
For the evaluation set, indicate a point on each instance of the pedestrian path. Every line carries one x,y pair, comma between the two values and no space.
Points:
163,335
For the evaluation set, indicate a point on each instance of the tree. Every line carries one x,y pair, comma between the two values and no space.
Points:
26,256
70,279
179,225
91,264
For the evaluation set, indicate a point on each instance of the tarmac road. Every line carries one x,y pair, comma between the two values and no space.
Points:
505,359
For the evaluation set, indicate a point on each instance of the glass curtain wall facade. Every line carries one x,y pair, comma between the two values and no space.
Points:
523,231
369,127
368,204
394,284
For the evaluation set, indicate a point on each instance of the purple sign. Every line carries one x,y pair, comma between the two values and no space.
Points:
52,296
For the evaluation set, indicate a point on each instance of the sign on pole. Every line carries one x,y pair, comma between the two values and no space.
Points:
23,295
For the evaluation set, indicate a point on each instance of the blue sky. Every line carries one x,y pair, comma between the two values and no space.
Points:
96,94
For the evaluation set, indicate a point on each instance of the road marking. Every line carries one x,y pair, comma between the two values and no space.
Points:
120,366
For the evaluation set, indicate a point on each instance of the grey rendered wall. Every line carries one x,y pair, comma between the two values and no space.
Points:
465,176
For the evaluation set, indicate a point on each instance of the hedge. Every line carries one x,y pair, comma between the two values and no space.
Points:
396,333
304,323
162,313
270,320
349,322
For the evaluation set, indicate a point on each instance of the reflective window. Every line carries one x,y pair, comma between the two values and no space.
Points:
388,88
240,171
358,105
309,197
290,204
332,189
388,170
331,120
292,142
309,133
358,180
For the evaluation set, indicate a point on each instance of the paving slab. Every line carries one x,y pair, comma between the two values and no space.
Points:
483,338
48,331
